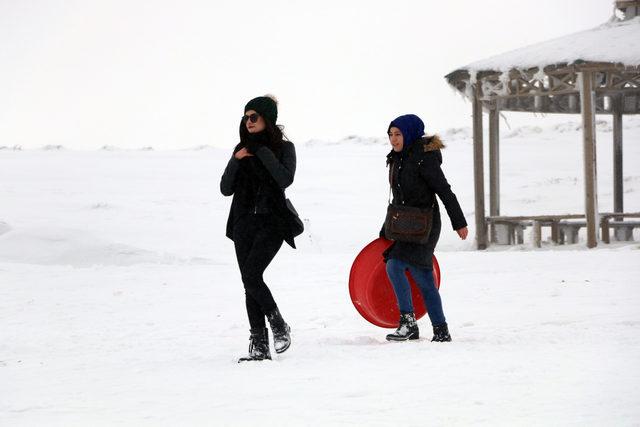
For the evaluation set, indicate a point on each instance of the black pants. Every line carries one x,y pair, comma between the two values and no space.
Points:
257,241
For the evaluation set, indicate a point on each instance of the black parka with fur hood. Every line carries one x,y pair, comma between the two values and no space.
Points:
416,177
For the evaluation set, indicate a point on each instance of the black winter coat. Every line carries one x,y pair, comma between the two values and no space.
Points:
415,177
257,184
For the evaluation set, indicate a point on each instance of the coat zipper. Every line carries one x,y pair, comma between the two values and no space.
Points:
255,205
398,178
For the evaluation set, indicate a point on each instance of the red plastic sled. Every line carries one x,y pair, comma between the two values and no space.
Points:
371,291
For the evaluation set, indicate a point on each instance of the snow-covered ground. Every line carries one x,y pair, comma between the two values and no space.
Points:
121,302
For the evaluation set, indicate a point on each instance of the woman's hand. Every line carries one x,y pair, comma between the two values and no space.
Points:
463,232
241,154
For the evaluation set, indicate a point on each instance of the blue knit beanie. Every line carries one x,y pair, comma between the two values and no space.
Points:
411,127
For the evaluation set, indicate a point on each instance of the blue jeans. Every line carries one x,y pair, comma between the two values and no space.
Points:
424,278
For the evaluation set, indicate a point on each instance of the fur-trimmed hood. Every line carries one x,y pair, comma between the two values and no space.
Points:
432,143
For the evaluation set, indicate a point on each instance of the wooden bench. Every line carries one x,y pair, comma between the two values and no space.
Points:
569,230
622,230
509,230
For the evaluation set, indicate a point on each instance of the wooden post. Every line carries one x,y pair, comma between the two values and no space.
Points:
519,234
555,235
478,170
537,234
617,157
494,166
605,230
587,105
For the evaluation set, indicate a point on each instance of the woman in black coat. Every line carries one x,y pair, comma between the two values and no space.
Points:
262,166
415,177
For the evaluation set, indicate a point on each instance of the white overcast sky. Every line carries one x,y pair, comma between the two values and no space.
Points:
161,73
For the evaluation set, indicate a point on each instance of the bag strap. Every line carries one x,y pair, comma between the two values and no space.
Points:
391,169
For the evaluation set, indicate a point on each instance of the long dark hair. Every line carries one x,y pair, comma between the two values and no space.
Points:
274,134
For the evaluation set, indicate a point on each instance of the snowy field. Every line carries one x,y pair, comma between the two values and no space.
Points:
121,302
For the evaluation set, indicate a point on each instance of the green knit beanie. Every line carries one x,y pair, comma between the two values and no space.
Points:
266,106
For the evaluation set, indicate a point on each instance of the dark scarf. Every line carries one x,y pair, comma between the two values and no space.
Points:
254,140
252,165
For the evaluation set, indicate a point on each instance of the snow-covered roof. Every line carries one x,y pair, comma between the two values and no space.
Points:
616,42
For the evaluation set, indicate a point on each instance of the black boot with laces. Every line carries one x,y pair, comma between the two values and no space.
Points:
408,329
441,333
281,331
258,346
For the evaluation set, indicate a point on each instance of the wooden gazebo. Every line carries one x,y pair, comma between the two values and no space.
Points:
588,73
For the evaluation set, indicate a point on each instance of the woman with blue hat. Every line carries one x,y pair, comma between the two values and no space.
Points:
416,177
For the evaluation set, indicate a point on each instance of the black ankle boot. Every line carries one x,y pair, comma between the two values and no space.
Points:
408,329
258,346
281,331
441,333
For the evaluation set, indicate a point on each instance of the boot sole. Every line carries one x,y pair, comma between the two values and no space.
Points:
400,339
251,359
282,350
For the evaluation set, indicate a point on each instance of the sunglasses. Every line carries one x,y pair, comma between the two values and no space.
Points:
251,117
